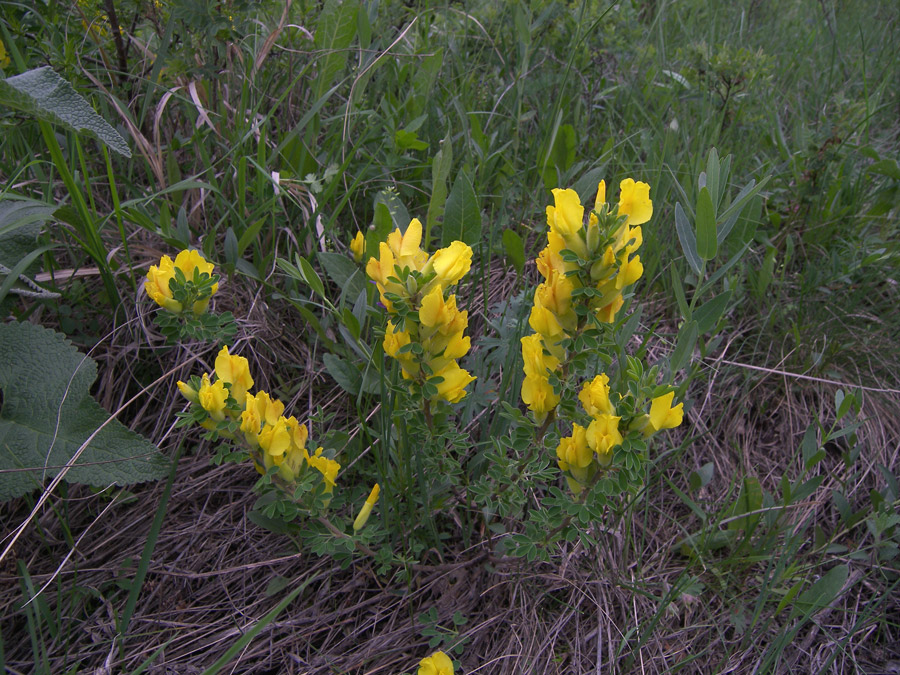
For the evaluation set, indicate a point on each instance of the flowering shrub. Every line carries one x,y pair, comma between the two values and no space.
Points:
587,270
277,445
429,334
187,283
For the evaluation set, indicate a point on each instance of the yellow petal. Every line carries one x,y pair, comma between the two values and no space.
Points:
634,201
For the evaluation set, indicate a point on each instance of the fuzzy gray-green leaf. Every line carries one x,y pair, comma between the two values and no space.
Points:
48,414
47,96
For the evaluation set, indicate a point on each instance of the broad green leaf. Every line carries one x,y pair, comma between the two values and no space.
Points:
708,314
515,249
687,239
750,499
462,215
48,414
344,373
345,273
44,94
707,243
397,210
336,30
16,213
822,593
702,476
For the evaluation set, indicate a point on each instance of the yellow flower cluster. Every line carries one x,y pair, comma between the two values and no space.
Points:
159,278
588,449
585,271
426,333
274,440
4,57
436,664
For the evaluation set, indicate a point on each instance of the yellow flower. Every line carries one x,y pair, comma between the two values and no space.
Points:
573,451
327,467
629,272
157,285
556,295
603,435
393,341
607,314
188,392
634,201
364,512
594,396
535,362
543,321
452,263
538,395
296,455
434,311
455,380
406,246
600,199
358,246
566,218
212,397
436,664
259,410
236,371
275,440
663,415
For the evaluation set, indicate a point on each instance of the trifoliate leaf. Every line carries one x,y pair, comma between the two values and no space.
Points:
47,414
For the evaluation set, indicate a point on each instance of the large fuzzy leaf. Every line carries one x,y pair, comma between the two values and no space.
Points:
47,96
48,414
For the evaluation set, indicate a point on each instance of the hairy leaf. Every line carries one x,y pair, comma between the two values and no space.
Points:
48,414
44,94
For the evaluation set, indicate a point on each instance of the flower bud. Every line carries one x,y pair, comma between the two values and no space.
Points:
364,512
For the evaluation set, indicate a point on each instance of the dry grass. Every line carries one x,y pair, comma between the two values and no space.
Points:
633,605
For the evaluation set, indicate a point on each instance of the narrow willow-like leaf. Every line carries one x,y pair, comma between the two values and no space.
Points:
707,243
687,239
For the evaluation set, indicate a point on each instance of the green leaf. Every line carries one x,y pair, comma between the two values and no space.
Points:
344,373
48,414
399,216
678,287
687,239
44,94
707,244
822,593
712,174
684,346
440,172
345,273
16,213
515,249
462,215
702,476
310,276
750,499
708,314
334,33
